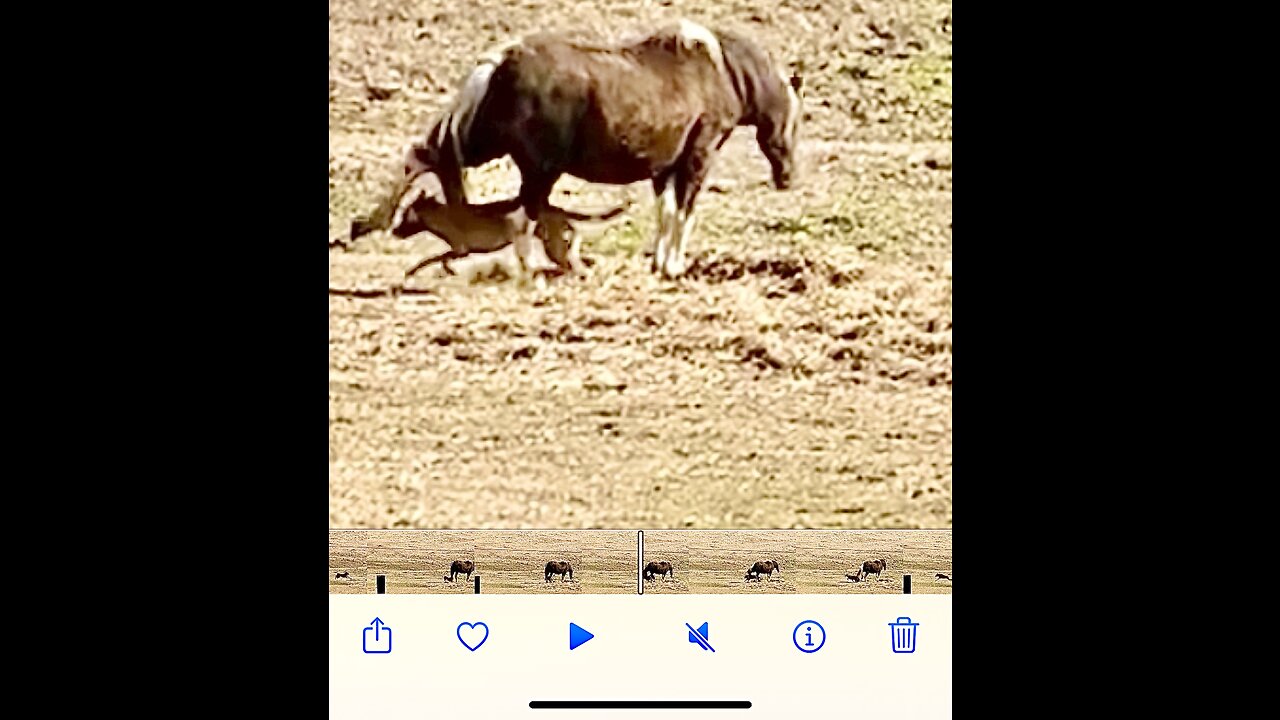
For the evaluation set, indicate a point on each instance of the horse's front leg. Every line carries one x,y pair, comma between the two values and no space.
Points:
676,265
664,195
689,179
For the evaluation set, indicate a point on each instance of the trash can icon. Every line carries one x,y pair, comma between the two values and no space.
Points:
903,635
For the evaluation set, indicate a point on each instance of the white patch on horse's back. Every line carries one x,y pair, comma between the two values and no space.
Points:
691,33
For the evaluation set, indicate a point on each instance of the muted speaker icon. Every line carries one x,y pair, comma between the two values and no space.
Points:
700,637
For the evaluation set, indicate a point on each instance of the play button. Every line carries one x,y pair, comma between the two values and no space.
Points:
577,636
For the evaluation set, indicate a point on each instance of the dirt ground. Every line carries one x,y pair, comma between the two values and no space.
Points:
800,376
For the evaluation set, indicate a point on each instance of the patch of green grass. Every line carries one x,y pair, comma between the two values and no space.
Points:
929,76
791,225
627,240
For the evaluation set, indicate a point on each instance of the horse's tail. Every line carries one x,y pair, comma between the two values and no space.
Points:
452,138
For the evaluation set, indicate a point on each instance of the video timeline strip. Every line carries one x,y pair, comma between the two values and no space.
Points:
602,562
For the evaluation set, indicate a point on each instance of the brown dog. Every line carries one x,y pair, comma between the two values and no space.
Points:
488,227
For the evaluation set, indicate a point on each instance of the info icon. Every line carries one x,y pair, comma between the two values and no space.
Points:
809,636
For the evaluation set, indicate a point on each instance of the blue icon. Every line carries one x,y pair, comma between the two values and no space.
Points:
809,636
700,636
903,634
379,641
577,636
472,638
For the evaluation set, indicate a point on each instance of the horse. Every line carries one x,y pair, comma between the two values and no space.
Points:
461,567
765,567
663,568
563,569
657,109
874,566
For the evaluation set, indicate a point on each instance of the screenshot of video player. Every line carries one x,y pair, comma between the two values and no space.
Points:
640,358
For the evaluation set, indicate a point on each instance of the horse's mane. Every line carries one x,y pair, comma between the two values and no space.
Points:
751,72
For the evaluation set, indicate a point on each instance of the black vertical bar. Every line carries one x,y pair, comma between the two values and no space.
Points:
382,584
906,584
477,584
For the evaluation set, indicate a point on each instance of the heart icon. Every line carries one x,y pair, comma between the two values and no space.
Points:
474,637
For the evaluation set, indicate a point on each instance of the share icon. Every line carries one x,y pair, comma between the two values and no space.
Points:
699,637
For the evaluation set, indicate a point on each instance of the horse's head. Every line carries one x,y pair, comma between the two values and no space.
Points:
776,131
770,102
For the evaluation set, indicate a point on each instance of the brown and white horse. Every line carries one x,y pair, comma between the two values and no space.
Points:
654,109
